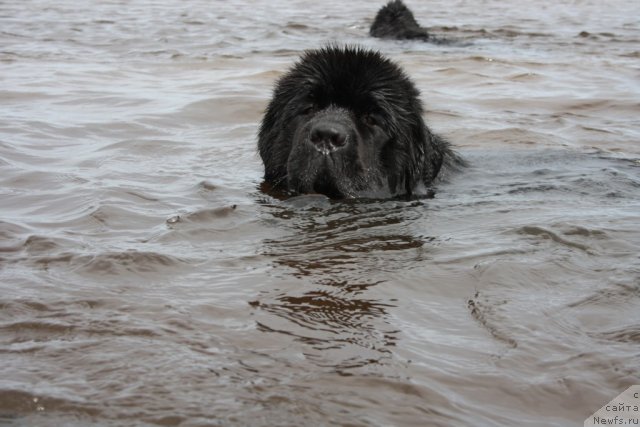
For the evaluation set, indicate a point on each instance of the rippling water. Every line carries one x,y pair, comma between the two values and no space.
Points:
146,280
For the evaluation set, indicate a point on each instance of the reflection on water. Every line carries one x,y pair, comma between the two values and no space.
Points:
339,327
345,237
340,248
146,280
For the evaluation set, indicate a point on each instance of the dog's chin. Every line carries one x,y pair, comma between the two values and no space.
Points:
319,177
325,183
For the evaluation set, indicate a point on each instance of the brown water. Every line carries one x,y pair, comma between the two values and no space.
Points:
145,279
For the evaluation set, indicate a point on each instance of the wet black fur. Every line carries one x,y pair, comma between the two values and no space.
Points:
388,150
396,21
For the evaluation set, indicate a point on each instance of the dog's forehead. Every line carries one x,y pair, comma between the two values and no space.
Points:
352,91
355,79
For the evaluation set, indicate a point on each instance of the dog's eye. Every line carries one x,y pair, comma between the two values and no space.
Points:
308,109
370,120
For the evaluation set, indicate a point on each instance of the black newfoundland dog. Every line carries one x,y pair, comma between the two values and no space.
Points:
396,21
347,123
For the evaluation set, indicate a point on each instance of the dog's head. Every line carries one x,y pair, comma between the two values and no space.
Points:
344,122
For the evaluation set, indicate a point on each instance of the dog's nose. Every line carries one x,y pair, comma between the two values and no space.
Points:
327,137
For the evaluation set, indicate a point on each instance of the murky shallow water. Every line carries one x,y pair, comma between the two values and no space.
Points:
144,279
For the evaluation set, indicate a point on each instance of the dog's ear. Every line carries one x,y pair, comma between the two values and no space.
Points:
273,147
404,156
418,152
